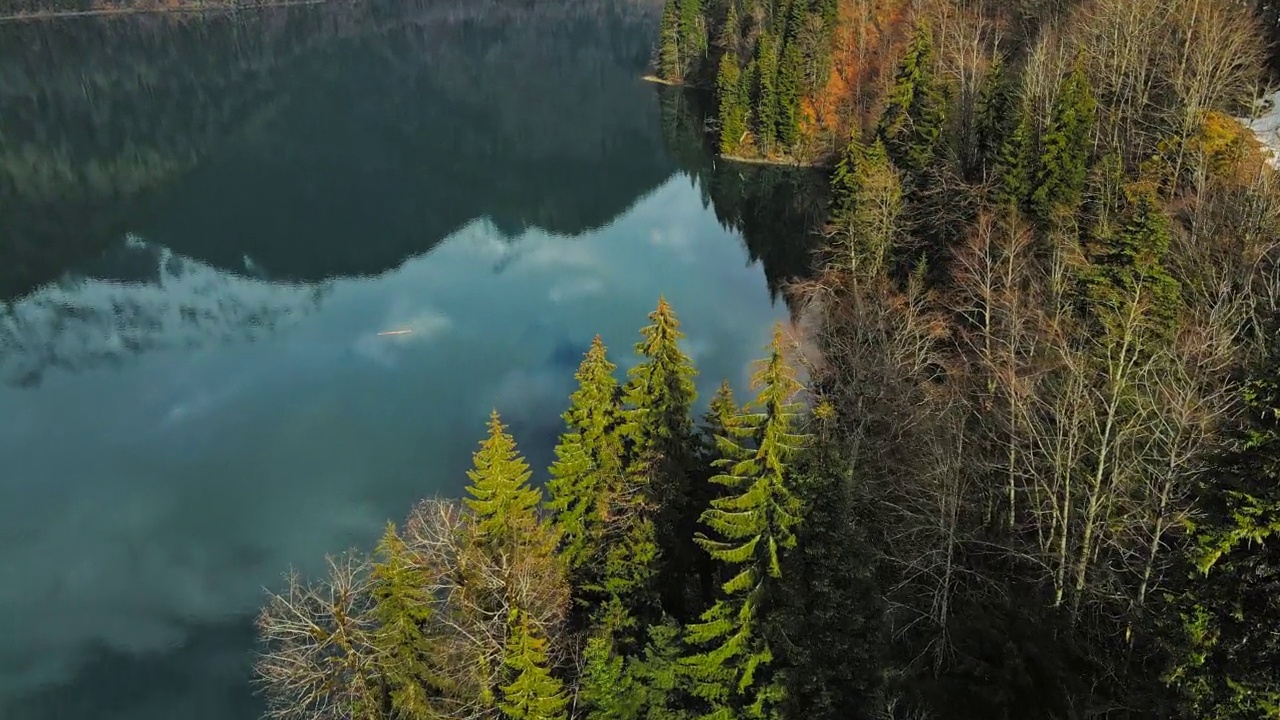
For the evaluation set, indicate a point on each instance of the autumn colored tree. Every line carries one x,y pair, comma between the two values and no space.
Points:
750,530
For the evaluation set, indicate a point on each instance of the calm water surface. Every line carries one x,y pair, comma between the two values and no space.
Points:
206,226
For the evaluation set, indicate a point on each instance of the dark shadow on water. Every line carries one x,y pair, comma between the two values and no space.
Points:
207,678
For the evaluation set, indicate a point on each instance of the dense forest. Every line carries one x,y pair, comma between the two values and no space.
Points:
1019,459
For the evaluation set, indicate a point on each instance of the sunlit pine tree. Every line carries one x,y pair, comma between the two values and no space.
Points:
504,503
659,396
534,693
588,466
402,607
915,114
749,530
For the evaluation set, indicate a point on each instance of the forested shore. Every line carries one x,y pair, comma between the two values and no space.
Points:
1020,457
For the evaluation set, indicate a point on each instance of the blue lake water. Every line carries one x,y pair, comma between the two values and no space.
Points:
264,275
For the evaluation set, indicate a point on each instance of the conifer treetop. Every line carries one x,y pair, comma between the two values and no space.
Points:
501,496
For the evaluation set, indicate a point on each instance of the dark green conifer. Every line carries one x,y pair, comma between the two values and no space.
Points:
751,529
1066,150
999,113
659,396
669,64
913,119
829,617
588,466
766,94
693,36
1128,265
1015,163
402,608
790,71
505,505
731,103
534,693
1226,662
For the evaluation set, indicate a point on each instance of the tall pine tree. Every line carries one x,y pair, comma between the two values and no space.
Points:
751,529
766,93
1066,150
659,396
915,114
588,466
1227,660
402,608
669,65
732,103
534,693
505,505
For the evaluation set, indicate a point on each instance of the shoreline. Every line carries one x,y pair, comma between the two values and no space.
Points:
218,7
659,81
767,161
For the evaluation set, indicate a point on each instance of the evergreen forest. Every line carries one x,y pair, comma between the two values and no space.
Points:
1017,455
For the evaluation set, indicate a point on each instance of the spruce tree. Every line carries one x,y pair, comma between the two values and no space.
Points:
1015,164
790,70
999,113
729,38
830,621
732,105
752,528
1129,263
866,201
1226,662
669,66
915,114
588,466
693,36
401,609
504,503
766,94
659,396
1066,149
534,693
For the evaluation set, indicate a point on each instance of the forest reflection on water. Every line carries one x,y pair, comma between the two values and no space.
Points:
204,226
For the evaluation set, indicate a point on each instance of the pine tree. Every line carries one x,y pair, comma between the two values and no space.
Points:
729,38
866,203
754,527
693,36
402,608
999,109
659,396
534,694
1015,164
1129,264
829,619
1066,150
720,411
790,70
913,119
588,464
504,504
1227,660
766,94
731,103
669,65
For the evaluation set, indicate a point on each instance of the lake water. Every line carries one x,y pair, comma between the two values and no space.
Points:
208,224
